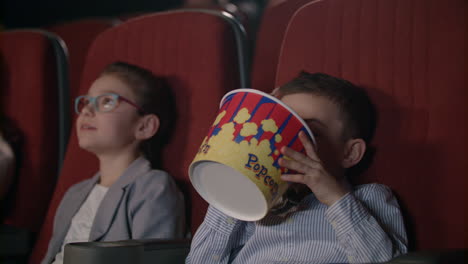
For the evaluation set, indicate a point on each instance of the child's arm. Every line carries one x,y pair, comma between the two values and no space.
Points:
157,208
216,237
370,229
372,235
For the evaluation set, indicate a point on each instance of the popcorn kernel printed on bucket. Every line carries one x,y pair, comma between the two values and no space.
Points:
249,129
242,116
278,138
269,125
250,157
219,117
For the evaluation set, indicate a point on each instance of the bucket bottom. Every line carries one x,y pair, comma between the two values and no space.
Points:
229,191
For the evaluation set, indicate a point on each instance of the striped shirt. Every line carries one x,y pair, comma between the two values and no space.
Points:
362,227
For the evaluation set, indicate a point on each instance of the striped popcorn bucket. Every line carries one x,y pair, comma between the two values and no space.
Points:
236,168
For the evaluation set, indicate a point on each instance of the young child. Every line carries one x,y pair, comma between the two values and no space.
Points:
7,161
9,148
333,222
120,120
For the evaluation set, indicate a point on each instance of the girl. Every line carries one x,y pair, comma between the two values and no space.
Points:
118,122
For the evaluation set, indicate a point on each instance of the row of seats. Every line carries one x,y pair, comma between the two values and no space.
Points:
31,86
410,63
201,53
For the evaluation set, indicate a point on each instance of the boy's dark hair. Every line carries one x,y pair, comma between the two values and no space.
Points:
154,96
357,111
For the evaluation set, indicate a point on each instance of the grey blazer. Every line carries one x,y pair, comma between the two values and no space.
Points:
142,203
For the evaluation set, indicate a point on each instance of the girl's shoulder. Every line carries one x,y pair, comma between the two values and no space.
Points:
154,176
155,180
155,187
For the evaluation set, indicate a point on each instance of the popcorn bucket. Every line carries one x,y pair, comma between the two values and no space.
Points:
236,168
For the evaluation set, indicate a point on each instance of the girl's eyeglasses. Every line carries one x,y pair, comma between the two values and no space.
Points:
102,103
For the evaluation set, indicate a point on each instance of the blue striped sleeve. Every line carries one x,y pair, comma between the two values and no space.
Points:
373,232
216,238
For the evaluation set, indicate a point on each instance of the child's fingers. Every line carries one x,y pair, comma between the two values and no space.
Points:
275,92
300,157
297,178
293,165
310,150
294,155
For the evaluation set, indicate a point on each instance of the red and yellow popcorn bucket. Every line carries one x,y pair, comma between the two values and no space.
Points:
236,168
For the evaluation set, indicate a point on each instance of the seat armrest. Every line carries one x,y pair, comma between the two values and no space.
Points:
15,241
127,251
449,256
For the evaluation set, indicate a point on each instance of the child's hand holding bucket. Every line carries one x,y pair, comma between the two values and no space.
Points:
311,172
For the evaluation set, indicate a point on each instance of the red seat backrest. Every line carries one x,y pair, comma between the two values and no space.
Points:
196,53
411,57
270,36
28,96
78,36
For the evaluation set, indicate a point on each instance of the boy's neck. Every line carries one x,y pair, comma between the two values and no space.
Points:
111,167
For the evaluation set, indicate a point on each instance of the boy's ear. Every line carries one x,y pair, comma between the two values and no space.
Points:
353,152
147,127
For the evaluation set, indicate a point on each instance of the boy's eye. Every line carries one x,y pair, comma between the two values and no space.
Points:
317,133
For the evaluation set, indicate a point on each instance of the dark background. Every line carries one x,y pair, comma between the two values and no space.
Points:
38,13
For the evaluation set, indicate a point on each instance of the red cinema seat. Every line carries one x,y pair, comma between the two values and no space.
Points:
32,64
227,7
411,57
200,54
78,36
270,36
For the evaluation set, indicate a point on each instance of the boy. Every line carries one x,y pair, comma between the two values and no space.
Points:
332,222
